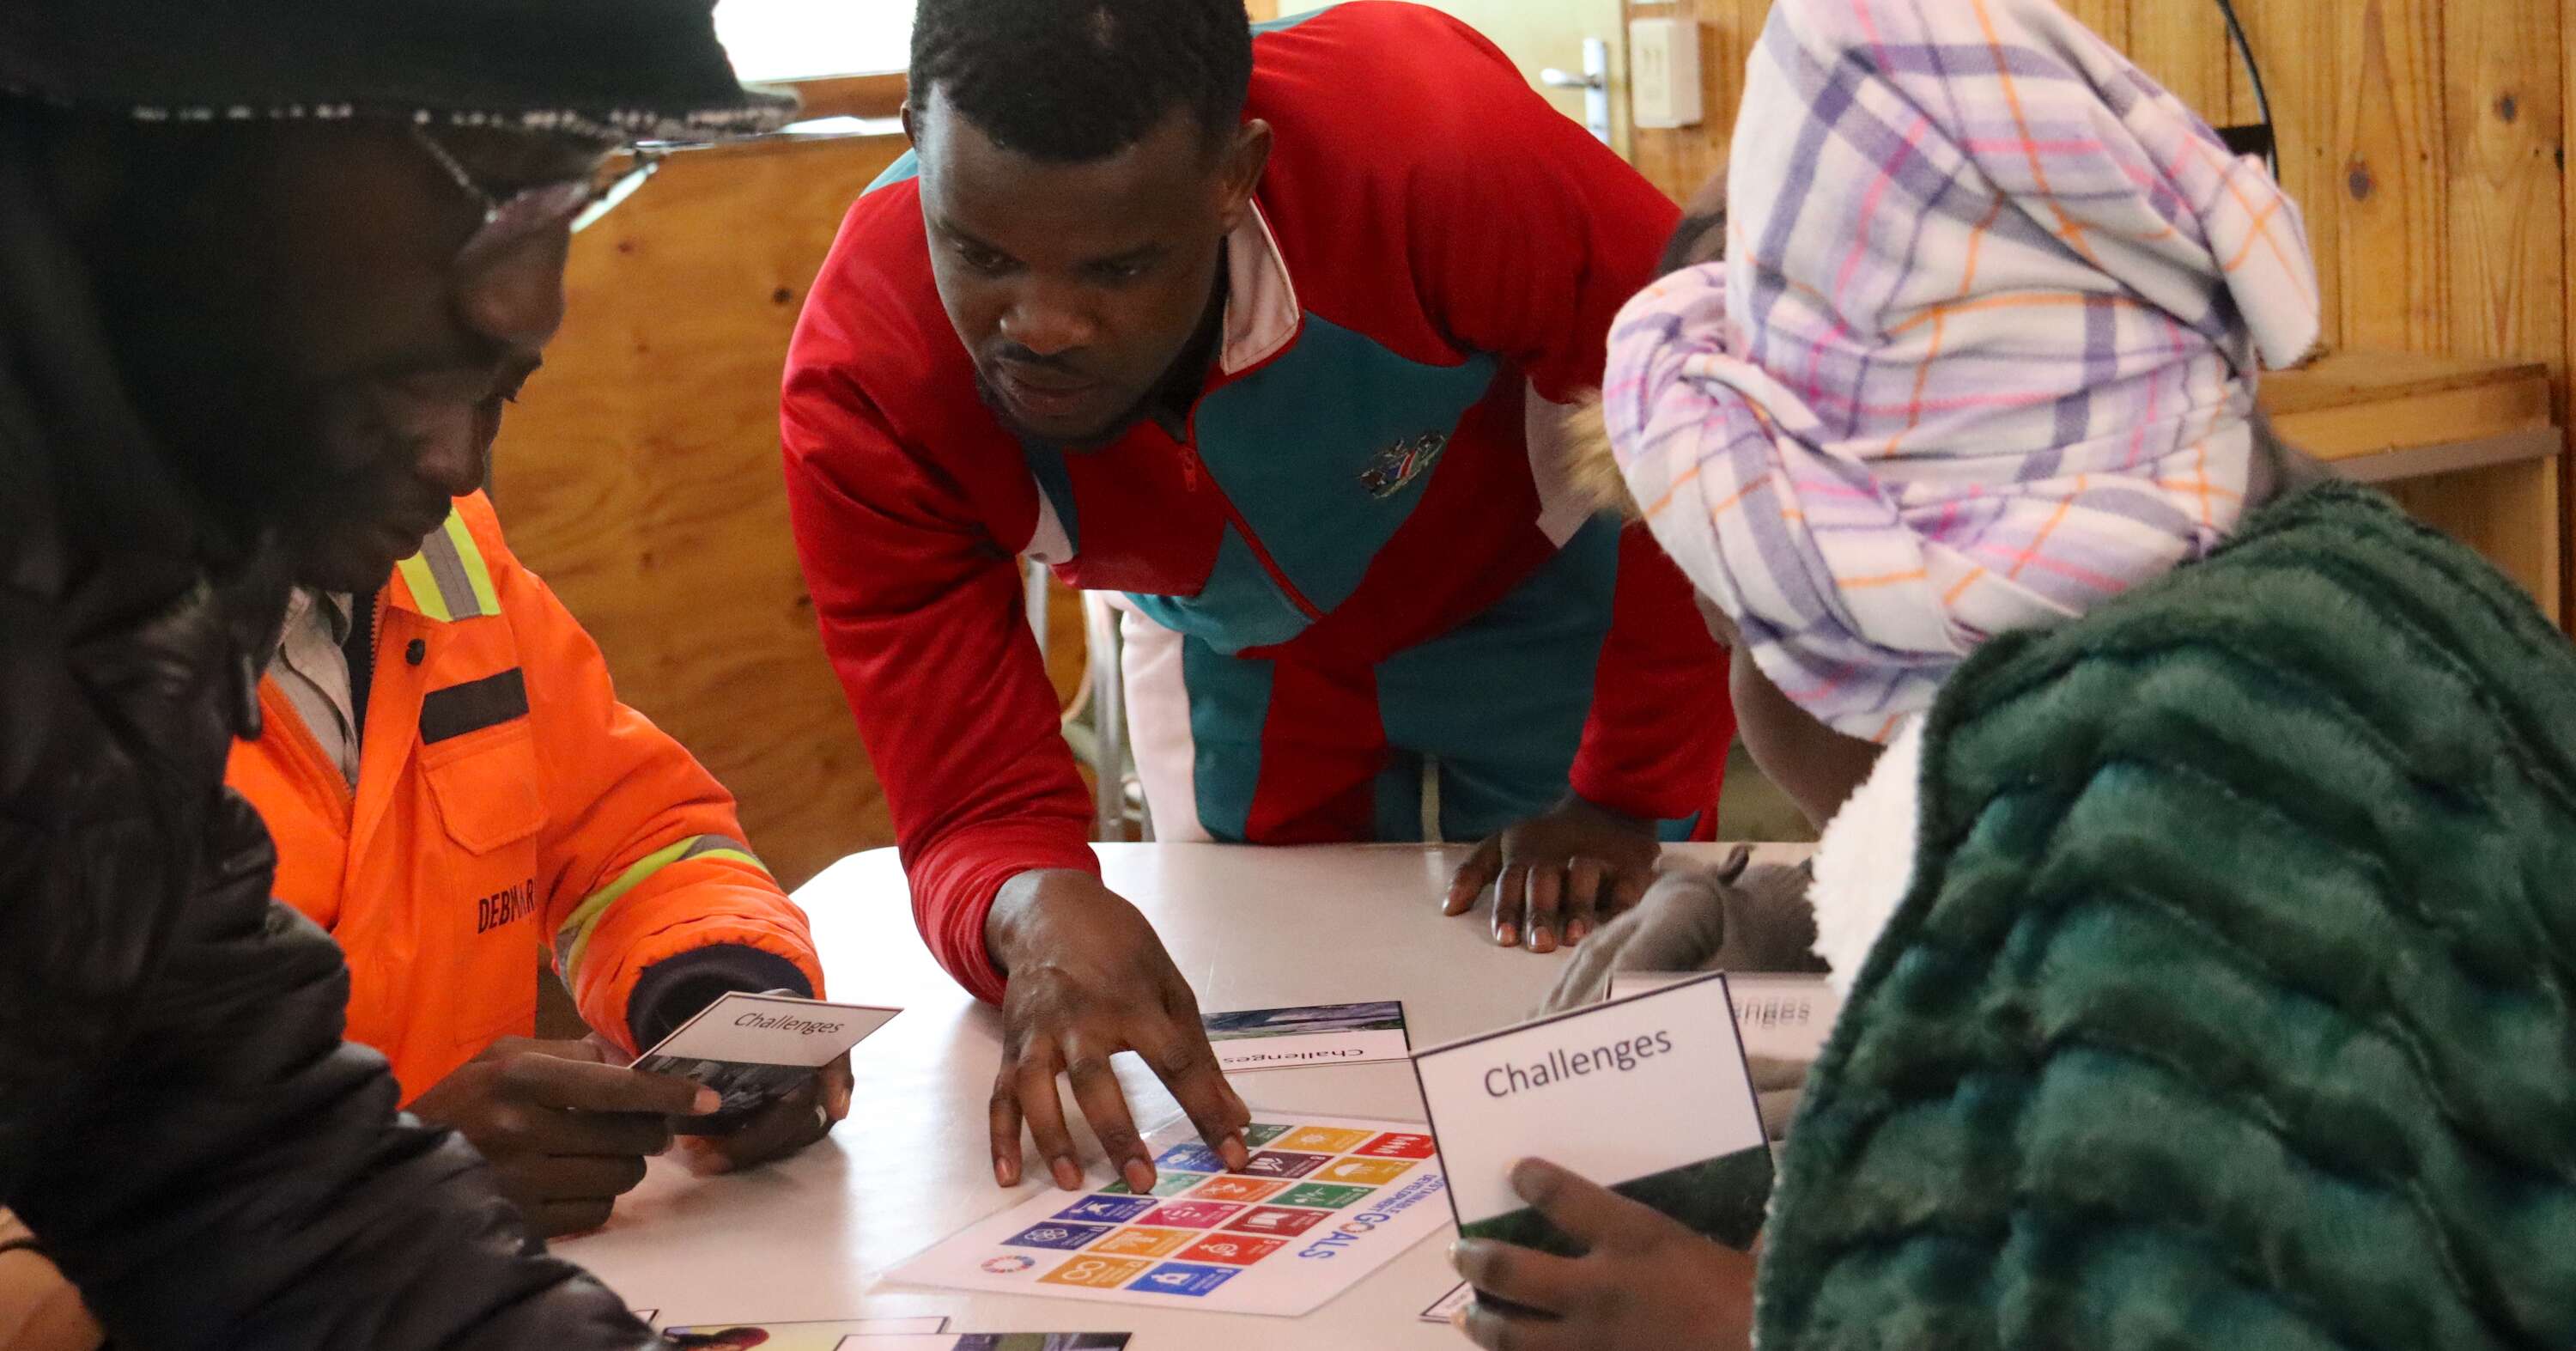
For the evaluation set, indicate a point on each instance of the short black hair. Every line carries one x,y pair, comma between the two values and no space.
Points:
1078,80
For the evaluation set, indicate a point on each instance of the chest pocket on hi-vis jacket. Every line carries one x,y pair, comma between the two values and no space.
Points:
479,757
481,762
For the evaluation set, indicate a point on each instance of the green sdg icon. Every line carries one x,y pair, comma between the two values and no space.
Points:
1173,1184
1322,1195
1261,1133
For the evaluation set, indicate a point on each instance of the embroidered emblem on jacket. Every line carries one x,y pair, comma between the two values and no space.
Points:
1402,463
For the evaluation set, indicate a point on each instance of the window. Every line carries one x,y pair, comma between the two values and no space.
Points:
773,40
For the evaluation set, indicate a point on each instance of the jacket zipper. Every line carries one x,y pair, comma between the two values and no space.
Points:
308,749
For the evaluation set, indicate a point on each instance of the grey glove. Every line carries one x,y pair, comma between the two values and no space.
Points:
1728,918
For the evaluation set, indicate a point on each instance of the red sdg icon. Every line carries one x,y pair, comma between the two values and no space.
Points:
1188,1215
1394,1145
1276,1220
1234,1250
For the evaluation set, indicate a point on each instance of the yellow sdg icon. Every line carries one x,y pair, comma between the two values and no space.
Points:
1322,1140
1364,1172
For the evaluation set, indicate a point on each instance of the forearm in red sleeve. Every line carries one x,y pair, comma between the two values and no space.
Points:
1655,745
922,619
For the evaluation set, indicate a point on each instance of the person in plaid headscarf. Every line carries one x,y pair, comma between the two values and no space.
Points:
2160,1026
1979,359
1981,353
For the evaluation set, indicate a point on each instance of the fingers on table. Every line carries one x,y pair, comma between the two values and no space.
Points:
1104,1105
1584,895
1003,1121
1007,1112
1547,904
1179,1054
1511,904
1032,1083
1473,876
1546,912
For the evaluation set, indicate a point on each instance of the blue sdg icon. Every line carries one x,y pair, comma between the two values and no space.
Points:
1107,1209
1051,1235
1181,1278
1190,1158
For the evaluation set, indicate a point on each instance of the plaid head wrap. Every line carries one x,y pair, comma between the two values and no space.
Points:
1981,353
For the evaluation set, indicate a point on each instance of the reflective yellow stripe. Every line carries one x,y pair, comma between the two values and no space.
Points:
574,936
476,574
448,579
424,588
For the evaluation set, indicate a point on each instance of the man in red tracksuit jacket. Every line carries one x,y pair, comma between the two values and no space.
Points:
1256,330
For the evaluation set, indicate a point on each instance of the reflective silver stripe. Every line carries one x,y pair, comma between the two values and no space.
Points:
448,570
708,844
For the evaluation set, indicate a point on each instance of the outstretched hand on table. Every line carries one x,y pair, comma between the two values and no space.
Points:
1643,1280
1088,978
1559,874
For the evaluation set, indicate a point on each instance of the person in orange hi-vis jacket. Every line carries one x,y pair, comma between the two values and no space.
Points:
454,788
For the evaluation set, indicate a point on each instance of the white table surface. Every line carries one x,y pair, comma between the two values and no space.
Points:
811,1237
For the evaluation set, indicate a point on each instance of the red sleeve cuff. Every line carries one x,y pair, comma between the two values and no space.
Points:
954,881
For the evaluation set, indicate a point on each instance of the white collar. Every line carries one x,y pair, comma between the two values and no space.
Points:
334,611
1261,314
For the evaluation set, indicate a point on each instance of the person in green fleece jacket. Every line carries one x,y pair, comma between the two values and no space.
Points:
2202,830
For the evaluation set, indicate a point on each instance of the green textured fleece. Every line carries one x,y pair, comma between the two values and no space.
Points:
2232,1003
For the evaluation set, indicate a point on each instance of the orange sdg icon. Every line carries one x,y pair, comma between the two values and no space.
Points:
1143,1243
1237,1188
1099,1272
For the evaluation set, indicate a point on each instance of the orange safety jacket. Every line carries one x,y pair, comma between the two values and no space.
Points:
506,803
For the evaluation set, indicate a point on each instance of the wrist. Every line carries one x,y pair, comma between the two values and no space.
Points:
673,990
1577,803
1020,908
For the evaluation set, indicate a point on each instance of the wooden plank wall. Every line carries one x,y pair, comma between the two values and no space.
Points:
639,476
2424,140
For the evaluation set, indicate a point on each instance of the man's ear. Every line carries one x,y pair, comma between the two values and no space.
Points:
905,114
1240,175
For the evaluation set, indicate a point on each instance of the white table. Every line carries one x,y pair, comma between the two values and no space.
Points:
811,1237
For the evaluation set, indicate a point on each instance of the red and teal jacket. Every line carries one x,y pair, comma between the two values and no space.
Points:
1433,265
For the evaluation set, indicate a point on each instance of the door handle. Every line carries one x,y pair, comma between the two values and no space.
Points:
1594,82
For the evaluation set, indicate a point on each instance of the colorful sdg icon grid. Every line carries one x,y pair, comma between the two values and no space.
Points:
1202,1225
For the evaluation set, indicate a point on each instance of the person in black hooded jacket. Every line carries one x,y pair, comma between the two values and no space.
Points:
257,259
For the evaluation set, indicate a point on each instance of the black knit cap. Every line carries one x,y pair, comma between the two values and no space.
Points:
622,69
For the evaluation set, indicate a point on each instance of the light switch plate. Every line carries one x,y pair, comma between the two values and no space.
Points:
1663,72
